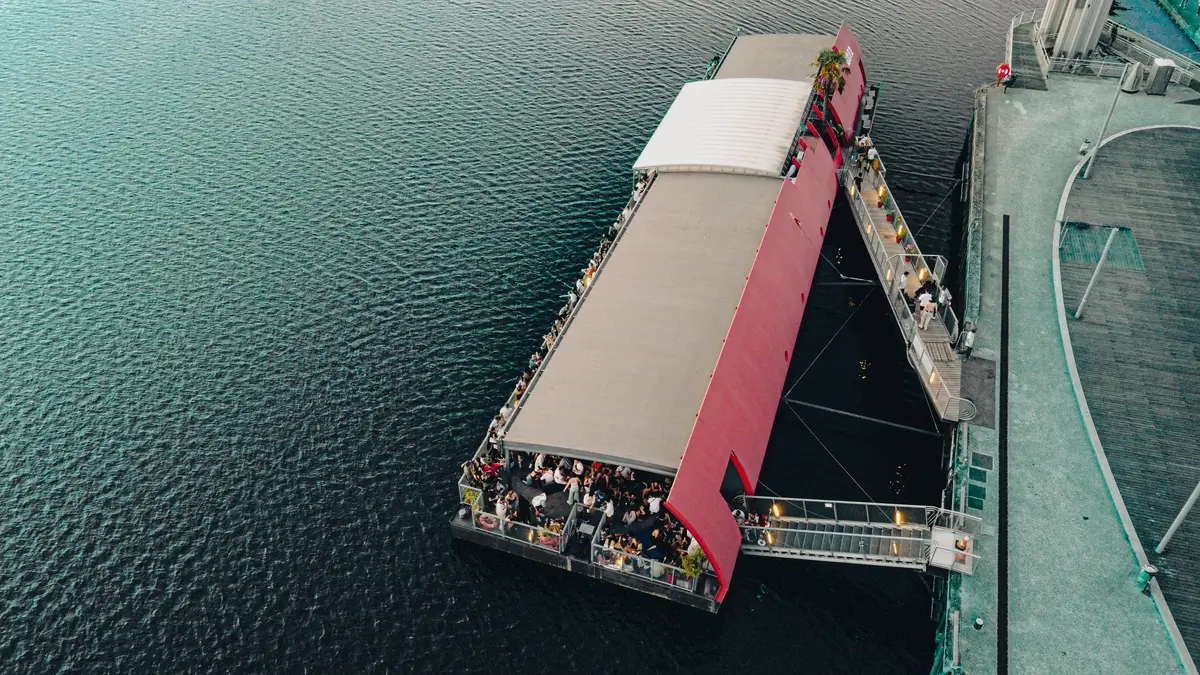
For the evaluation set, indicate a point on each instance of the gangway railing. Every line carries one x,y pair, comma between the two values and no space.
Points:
890,266
869,533
872,513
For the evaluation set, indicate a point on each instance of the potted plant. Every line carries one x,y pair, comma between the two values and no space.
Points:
910,249
890,215
471,496
693,563
830,77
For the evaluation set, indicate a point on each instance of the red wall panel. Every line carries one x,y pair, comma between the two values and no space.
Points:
738,410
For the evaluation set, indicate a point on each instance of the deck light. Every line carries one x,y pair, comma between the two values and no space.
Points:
883,191
770,539
923,274
869,228
829,505
775,509
933,377
888,276
899,517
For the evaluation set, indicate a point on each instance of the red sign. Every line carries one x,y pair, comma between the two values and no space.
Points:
1002,71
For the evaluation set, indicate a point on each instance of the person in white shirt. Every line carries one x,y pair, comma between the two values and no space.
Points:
539,500
589,499
539,461
547,477
902,283
928,309
655,504
944,298
609,509
501,509
560,476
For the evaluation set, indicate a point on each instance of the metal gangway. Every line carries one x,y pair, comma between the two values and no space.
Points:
902,269
863,533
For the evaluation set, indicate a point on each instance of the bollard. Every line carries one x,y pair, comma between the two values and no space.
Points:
1145,575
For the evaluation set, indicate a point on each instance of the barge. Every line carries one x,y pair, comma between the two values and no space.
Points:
630,445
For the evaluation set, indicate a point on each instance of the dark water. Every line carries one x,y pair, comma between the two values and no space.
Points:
267,267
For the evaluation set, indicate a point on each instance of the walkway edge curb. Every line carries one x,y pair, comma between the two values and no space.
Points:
1139,552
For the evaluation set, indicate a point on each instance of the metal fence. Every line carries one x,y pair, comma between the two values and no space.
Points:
518,531
893,547
1134,46
654,570
860,513
1115,38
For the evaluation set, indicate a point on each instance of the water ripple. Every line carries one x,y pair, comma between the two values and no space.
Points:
265,269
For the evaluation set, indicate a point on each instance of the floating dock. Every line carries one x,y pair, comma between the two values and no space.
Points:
669,358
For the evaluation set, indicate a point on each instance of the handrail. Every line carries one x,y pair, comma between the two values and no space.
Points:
622,223
966,403
632,563
888,269
930,516
537,536
1137,40
909,238
772,529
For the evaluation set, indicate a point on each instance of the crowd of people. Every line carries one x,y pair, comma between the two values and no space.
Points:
665,541
927,300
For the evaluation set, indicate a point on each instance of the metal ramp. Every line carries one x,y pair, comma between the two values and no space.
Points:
862,533
902,269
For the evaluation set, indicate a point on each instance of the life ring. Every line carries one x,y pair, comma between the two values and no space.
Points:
488,522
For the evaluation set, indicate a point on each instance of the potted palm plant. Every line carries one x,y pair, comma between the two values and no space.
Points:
830,77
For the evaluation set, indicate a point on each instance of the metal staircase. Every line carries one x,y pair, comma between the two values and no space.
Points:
889,535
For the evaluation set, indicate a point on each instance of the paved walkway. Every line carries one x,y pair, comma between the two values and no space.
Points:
1074,606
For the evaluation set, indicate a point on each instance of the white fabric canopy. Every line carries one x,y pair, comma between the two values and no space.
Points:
737,125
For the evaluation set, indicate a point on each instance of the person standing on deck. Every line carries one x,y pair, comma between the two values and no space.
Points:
924,299
944,298
928,309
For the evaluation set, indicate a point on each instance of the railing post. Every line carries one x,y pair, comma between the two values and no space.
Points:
1103,130
1103,256
1187,507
